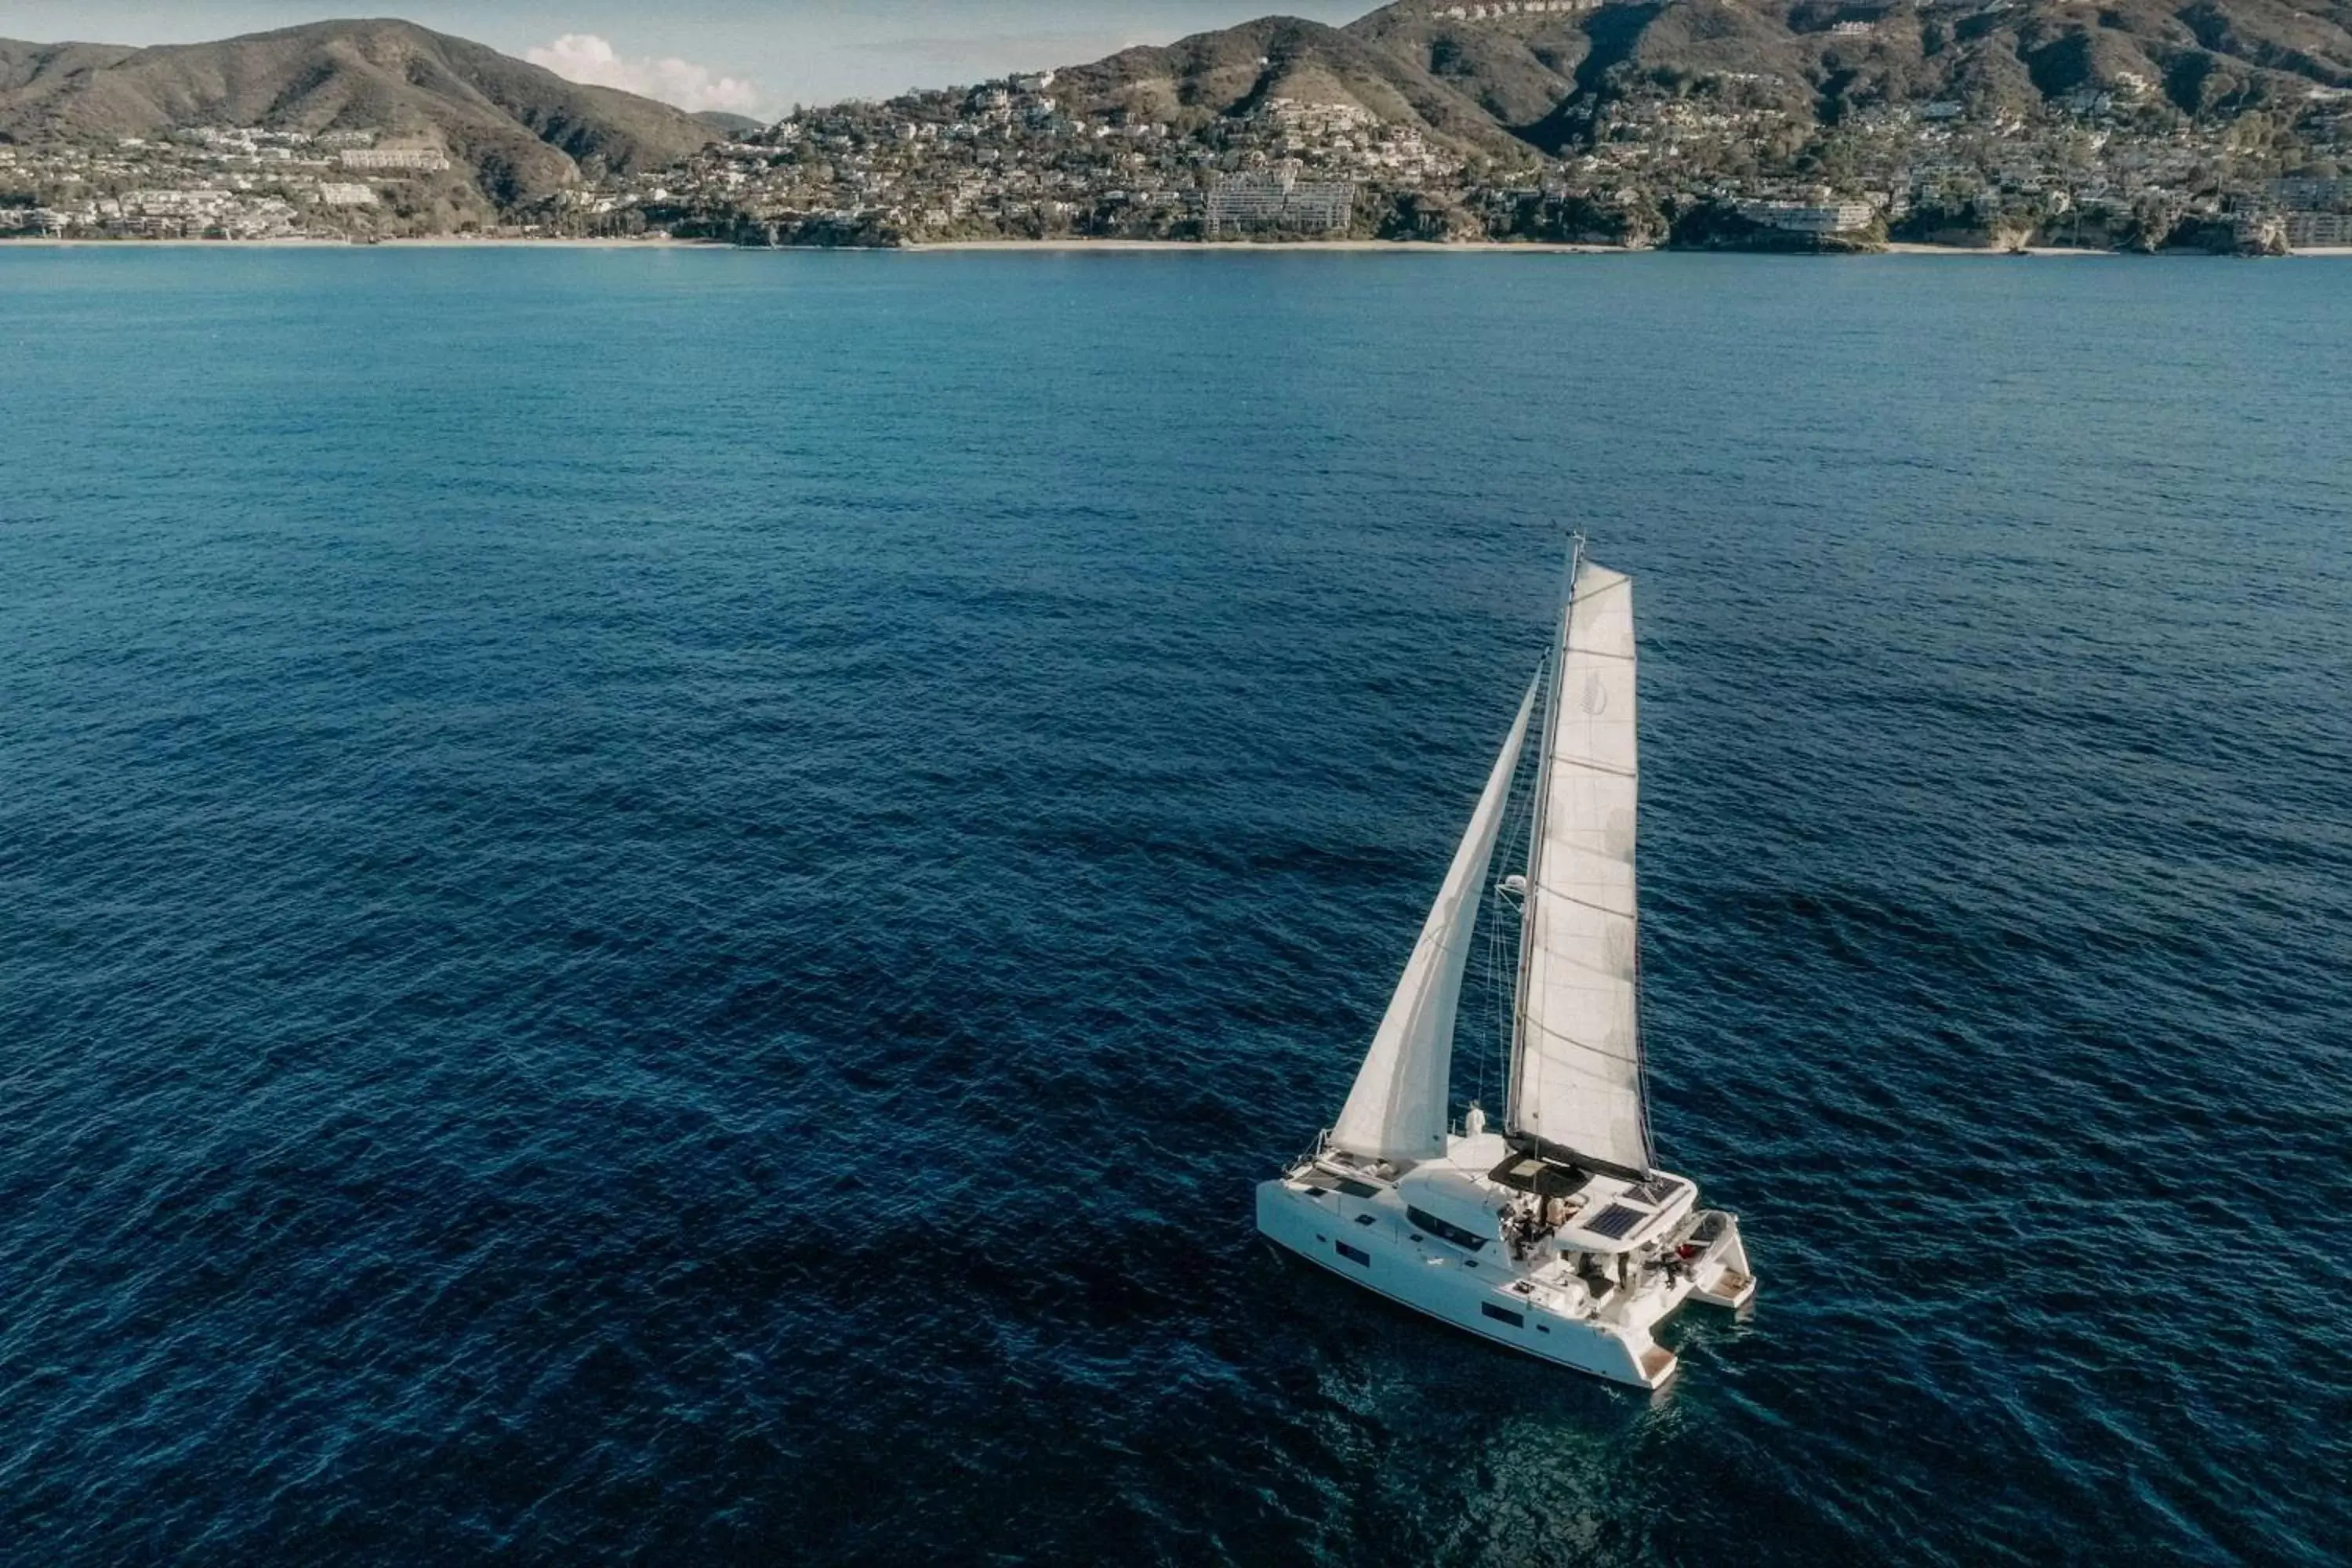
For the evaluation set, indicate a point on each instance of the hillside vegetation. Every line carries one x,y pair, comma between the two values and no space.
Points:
1778,124
1535,75
514,132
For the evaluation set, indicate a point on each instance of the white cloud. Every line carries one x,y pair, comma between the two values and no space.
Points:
586,57
1022,50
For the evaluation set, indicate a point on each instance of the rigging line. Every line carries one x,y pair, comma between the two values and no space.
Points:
1506,1000
1642,1057
1491,925
1502,989
1494,1008
1553,674
1494,949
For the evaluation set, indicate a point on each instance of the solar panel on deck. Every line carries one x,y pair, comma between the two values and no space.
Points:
1614,1221
1655,1191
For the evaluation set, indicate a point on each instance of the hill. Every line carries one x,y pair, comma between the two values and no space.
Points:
514,132
1781,123
1189,83
728,124
1534,67
1503,78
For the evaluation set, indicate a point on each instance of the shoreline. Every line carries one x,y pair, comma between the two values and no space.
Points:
428,242
1237,248
1246,247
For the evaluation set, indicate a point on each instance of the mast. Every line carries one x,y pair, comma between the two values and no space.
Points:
1549,674
1575,1089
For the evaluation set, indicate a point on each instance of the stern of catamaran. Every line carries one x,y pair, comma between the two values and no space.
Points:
1570,1263
1719,1258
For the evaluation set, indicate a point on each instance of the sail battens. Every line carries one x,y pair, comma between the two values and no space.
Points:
1577,1066
1588,903
1397,1109
1583,1045
1590,765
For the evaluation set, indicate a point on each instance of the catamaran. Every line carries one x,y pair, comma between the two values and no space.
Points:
1556,1233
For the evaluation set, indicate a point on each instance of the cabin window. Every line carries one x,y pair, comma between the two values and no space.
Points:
1468,1241
1354,1254
1356,1189
1503,1314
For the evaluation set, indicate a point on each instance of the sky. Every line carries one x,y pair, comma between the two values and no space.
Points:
738,55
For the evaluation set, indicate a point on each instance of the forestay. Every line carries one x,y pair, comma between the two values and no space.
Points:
1577,1067
1397,1110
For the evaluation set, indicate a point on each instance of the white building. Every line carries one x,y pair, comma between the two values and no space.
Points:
1278,200
405,159
1834,217
2317,193
2305,229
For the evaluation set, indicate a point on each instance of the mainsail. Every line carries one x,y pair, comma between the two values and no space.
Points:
1397,1110
1576,1065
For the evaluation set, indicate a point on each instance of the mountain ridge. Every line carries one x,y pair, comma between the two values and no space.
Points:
1534,75
1229,70
1581,120
1507,80
515,131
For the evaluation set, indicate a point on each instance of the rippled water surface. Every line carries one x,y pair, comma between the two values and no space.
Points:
662,904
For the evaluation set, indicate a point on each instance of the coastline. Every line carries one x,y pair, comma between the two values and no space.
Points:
1245,248
428,242
1913,247
1237,247
1531,246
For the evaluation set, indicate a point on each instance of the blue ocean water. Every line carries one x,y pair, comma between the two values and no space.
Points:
661,904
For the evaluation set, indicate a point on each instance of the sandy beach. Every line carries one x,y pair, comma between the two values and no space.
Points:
1235,247
430,242
1243,247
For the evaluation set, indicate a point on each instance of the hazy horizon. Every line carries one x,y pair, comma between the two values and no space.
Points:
734,56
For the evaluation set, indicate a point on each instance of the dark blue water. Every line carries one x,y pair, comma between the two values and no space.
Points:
661,905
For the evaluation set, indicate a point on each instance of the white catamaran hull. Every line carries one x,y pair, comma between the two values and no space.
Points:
1539,1304
1559,1235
